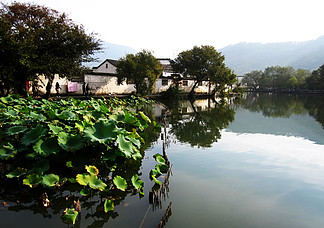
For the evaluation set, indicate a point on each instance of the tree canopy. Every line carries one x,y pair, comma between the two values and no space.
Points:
204,64
36,40
142,69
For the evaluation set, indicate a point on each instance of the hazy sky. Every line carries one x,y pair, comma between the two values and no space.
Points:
170,26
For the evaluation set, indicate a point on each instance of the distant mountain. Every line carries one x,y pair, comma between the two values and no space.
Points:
111,51
246,57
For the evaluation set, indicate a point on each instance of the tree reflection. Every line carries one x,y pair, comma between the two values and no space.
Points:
199,123
285,105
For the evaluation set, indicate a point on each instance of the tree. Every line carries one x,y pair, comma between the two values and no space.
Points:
143,69
36,40
252,79
204,63
316,79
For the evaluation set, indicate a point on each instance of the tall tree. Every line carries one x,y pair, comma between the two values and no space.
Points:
143,69
36,40
204,64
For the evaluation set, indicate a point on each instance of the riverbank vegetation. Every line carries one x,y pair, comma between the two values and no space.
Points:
277,78
85,146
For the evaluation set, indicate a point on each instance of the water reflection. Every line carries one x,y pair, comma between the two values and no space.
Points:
199,122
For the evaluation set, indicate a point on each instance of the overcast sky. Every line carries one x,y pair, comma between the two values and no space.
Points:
170,26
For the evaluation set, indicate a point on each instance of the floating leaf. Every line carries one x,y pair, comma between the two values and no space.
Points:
85,192
67,115
7,151
47,147
155,180
162,168
32,180
125,146
145,117
50,180
102,132
96,183
69,216
55,129
69,164
92,170
17,172
70,142
137,183
159,158
33,135
120,183
136,142
108,205
16,130
83,179
37,117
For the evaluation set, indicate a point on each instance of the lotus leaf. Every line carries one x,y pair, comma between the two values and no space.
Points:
70,142
7,151
47,147
69,164
50,180
83,179
55,129
7,99
67,115
159,158
145,117
33,135
32,180
130,119
162,168
102,132
136,142
16,130
17,173
120,183
96,183
125,146
137,155
85,192
38,117
108,205
92,170
155,180
12,113
137,183
69,216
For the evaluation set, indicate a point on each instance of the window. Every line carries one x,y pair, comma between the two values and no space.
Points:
165,82
106,65
185,83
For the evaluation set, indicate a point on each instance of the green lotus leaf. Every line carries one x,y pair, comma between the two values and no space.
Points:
155,180
117,118
70,142
72,180
69,216
7,151
83,179
33,135
145,117
69,164
92,170
32,180
96,183
47,147
108,205
38,117
130,119
67,115
16,130
155,172
6,100
85,192
102,132
55,129
136,142
125,146
162,168
120,183
11,113
40,167
17,172
137,156
50,180
159,158
137,183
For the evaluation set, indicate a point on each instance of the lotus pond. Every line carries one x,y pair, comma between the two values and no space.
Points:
253,162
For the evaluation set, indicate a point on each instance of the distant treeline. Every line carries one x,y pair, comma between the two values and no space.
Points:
277,78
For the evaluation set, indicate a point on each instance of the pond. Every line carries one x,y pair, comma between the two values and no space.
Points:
254,162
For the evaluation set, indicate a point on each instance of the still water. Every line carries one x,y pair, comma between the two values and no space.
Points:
254,162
